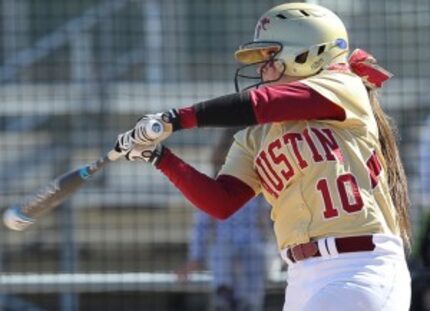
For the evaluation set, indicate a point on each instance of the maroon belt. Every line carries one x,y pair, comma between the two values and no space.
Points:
351,244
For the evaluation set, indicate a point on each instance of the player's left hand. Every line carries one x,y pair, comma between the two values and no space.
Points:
150,153
169,120
150,129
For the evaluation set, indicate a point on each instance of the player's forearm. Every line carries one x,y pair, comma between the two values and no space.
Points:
226,111
220,197
290,102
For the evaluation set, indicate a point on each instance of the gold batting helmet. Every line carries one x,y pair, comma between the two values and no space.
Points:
301,39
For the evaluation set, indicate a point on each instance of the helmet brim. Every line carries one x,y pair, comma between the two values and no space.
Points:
253,54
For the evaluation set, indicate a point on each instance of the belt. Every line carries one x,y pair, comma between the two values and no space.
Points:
343,245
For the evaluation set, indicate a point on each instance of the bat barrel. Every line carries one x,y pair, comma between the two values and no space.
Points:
23,214
14,219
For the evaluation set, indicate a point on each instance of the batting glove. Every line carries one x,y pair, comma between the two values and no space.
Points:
169,120
125,142
150,153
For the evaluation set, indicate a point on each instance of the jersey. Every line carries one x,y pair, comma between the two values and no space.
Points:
323,177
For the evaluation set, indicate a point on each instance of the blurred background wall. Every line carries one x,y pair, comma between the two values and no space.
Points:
74,74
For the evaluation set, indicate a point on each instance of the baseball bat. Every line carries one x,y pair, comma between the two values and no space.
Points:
23,214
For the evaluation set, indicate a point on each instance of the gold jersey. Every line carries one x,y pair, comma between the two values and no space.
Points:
324,177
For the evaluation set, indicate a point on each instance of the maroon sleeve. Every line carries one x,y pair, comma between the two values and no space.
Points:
220,197
293,101
187,117
281,102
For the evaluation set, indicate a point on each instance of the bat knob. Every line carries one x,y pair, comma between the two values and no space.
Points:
14,219
154,129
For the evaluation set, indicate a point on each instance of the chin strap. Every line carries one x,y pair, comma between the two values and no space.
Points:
365,66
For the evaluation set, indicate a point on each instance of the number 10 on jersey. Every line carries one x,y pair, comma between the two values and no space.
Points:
346,188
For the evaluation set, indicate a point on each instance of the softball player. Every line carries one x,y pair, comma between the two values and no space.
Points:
319,148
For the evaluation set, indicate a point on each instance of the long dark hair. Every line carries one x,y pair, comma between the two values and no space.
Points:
397,182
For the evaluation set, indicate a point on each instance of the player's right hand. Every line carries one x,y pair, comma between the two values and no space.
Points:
125,142
150,153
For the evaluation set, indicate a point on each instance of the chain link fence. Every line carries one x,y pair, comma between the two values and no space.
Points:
74,74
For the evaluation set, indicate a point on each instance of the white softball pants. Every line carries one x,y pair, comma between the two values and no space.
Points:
370,281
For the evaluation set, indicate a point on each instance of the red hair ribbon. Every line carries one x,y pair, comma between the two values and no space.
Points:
364,65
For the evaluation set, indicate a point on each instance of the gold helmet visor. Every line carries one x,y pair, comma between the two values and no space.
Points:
254,52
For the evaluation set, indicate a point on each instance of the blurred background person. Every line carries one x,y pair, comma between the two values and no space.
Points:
424,177
234,249
421,261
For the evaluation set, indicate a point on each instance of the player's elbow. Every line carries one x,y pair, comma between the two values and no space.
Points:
226,211
222,216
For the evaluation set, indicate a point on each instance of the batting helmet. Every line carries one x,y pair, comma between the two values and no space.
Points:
300,38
